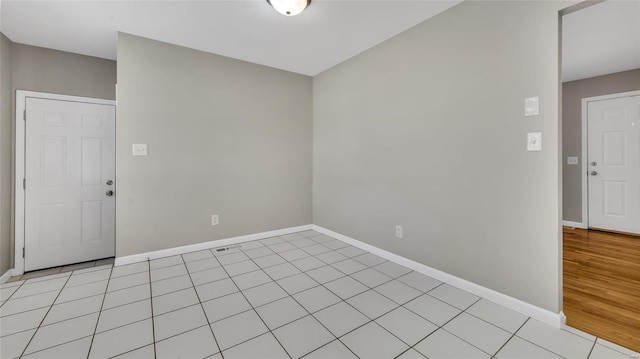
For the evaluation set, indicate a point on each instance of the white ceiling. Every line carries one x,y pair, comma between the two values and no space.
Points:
601,39
324,35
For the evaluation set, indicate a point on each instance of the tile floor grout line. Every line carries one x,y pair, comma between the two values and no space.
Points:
31,295
635,354
124,325
592,347
95,328
44,292
129,351
255,311
206,318
153,325
411,348
441,327
45,316
14,292
70,318
539,346
493,324
57,345
324,345
511,337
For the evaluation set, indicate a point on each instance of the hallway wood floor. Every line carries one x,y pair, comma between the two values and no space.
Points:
602,285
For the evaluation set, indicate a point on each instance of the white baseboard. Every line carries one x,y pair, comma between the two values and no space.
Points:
541,314
5,277
574,224
141,257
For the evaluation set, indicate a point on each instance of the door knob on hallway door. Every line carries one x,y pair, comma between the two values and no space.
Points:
593,173
109,182
109,193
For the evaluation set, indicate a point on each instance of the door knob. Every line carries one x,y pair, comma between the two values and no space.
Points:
109,182
594,163
593,173
109,193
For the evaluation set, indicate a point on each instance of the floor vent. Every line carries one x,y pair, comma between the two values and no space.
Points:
222,249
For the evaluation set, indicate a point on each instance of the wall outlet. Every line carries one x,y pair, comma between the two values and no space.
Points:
215,220
398,231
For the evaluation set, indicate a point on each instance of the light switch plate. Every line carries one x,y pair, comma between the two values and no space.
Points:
572,160
531,106
534,141
139,149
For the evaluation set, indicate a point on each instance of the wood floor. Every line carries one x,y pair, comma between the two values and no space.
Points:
602,285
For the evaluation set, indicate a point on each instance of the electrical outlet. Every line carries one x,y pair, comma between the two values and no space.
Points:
215,220
398,231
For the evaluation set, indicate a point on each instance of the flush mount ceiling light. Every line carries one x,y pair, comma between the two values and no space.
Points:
289,7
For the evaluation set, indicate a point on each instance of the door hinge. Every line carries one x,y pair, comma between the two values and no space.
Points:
23,252
24,115
24,183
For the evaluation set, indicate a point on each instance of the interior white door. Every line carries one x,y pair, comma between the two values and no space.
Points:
614,164
69,169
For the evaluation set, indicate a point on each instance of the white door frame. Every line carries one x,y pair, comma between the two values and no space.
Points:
585,148
21,101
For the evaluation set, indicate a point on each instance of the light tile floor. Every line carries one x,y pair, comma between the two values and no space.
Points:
298,295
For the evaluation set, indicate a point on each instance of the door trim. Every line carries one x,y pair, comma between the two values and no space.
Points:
21,101
585,148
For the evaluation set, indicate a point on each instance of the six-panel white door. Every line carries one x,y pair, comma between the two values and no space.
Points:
69,168
614,164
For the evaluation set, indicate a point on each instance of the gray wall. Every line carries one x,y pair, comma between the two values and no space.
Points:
6,131
427,131
45,70
225,137
572,94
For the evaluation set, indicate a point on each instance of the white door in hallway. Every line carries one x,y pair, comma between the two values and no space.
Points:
613,164
70,189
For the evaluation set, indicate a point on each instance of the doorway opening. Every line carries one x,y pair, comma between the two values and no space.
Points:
601,169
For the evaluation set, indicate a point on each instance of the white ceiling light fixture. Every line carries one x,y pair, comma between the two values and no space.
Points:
289,7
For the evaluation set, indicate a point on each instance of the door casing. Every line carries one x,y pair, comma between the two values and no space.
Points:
19,220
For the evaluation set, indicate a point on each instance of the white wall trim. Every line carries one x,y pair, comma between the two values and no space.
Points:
541,314
207,245
21,98
585,148
574,224
5,277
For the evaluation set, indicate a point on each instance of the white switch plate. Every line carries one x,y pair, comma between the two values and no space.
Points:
572,160
531,106
534,141
215,220
139,149
398,231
